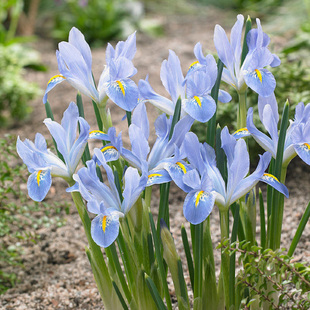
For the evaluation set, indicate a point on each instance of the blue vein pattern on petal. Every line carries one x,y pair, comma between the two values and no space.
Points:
275,183
105,228
198,206
39,183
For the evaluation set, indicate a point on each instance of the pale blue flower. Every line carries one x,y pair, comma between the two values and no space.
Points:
297,139
194,90
252,72
42,163
105,200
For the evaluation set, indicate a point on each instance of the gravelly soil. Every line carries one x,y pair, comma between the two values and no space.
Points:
56,273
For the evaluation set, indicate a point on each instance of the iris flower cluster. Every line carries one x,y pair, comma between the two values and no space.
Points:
75,61
252,72
176,154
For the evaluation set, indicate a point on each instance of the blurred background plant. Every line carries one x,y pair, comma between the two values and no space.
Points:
15,56
99,20
19,216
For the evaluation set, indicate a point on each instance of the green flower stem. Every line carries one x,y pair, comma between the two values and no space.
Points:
209,289
224,216
242,110
105,118
280,173
281,210
198,240
98,264
148,196
160,262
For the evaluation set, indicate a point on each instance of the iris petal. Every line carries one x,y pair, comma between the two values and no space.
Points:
261,81
303,151
158,177
52,83
200,108
198,206
275,183
123,93
39,184
105,229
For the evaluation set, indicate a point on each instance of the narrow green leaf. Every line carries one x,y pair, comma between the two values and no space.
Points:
221,160
98,117
120,273
262,220
150,249
277,203
118,185
160,262
163,205
188,255
232,280
119,295
127,258
155,294
48,110
299,231
176,116
128,114
163,212
248,26
198,260
182,283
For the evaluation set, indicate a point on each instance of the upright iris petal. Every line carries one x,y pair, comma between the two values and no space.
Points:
297,139
43,164
194,90
74,64
252,72
105,200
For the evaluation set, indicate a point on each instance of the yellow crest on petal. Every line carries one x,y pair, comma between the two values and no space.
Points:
259,75
121,86
181,166
38,177
198,198
55,77
198,100
104,223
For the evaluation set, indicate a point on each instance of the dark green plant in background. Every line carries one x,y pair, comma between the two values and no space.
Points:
15,91
99,20
19,217
15,56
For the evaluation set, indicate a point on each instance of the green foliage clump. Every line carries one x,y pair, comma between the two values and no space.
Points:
98,20
270,278
19,217
15,91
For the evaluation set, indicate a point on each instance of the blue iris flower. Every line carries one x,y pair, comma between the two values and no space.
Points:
298,134
42,163
205,184
105,201
75,61
154,158
194,90
252,72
